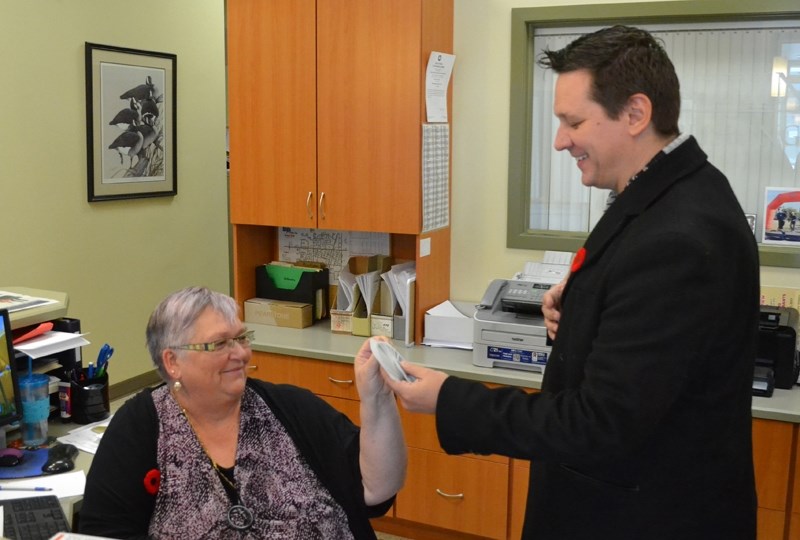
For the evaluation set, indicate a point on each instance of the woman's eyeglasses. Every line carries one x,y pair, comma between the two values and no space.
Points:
220,345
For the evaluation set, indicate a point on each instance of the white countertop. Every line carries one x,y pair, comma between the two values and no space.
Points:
320,343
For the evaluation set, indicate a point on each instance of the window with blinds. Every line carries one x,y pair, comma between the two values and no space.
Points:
740,97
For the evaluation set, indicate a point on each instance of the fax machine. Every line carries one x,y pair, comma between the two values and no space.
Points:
508,326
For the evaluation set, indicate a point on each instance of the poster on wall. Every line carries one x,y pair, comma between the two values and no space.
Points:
130,123
781,212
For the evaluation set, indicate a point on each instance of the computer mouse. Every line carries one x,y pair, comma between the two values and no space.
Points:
10,457
60,458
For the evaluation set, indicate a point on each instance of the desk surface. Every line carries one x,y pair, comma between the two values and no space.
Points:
320,343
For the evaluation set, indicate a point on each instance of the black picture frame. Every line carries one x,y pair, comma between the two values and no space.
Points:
131,123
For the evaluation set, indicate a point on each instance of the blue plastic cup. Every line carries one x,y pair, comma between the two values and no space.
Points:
34,391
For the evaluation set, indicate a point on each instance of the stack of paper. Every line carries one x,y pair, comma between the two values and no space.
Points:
450,325
51,343
369,284
553,268
348,291
399,279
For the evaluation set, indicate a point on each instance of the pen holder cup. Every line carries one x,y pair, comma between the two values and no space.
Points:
89,400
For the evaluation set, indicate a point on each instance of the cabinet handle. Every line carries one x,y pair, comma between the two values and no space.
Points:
341,381
321,205
308,205
449,495
251,368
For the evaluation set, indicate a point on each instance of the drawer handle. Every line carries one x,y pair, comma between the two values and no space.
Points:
251,368
308,205
449,495
340,381
321,205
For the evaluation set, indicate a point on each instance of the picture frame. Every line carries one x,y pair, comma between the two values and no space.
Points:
781,224
131,127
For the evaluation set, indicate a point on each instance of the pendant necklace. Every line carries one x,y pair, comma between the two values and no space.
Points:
239,517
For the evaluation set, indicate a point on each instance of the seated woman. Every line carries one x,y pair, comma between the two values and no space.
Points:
214,454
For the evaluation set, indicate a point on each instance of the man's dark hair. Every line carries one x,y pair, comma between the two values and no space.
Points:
624,61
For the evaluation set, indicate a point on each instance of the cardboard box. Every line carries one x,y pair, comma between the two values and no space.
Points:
277,313
450,324
381,325
341,321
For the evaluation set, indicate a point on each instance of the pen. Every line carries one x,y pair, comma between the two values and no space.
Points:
90,371
15,488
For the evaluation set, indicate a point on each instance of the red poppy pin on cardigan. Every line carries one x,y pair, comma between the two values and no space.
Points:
152,481
577,262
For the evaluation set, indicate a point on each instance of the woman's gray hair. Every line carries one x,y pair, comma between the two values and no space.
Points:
172,322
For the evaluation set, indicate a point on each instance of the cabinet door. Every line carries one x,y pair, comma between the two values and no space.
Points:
272,111
370,105
520,479
458,493
772,454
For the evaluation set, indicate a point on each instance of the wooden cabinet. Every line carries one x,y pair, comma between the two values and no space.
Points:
773,458
326,106
467,494
462,494
271,50
445,497
518,496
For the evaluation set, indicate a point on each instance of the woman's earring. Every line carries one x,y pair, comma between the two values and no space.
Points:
177,385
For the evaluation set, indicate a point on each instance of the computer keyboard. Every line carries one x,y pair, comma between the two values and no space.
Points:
33,518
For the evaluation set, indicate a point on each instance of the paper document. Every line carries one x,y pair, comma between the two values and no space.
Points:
62,485
400,278
348,292
16,302
86,438
369,284
447,309
553,268
51,343
437,78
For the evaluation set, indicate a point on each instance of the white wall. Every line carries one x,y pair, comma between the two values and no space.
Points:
480,149
115,259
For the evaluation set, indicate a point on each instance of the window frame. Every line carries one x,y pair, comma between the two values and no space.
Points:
524,20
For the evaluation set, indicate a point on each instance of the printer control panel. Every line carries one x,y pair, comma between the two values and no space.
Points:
515,296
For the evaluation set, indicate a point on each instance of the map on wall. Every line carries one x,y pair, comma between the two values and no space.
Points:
334,248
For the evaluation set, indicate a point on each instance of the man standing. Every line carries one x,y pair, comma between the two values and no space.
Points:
642,429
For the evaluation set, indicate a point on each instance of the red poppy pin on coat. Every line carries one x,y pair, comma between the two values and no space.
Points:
152,481
577,262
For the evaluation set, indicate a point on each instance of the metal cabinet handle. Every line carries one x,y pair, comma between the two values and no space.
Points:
340,381
308,205
251,368
321,205
449,495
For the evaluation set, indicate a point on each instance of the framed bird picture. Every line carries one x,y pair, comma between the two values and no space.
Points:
131,136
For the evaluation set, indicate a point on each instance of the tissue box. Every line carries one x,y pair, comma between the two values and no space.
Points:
277,313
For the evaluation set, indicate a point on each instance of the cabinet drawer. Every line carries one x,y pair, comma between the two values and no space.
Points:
420,432
321,377
459,493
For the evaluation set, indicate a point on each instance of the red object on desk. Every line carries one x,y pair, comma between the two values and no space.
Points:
38,331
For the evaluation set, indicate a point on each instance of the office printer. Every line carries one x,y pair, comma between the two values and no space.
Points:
509,329
777,344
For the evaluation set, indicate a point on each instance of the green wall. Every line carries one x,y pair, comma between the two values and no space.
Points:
114,259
